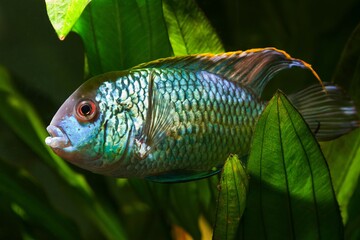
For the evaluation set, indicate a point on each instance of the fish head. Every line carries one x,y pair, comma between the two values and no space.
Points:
80,129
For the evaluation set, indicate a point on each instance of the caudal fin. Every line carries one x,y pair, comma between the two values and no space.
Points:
328,111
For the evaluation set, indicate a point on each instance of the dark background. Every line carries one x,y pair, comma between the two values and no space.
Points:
315,31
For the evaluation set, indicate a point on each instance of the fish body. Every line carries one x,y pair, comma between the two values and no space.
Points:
171,120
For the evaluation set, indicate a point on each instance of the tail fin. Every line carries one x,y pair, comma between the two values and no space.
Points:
328,111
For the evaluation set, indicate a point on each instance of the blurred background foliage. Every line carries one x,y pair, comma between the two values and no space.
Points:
43,197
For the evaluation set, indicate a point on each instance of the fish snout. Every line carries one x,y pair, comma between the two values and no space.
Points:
57,138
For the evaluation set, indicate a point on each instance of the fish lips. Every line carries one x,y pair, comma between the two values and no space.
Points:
57,139
62,146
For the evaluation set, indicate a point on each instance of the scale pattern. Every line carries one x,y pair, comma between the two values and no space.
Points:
212,118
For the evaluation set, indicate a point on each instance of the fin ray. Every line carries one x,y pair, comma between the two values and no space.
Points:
328,111
253,68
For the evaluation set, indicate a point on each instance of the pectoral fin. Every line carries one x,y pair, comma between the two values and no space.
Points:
158,121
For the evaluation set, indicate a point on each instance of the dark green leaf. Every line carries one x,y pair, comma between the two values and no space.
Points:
347,73
208,197
343,154
290,192
232,199
63,14
23,120
121,34
30,206
352,227
185,207
189,30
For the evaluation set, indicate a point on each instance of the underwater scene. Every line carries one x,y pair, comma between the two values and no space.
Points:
192,119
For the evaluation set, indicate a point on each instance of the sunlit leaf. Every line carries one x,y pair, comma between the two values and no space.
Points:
189,30
290,192
232,199
63,14
121,34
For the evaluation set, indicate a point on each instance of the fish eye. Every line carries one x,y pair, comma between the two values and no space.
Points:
85,110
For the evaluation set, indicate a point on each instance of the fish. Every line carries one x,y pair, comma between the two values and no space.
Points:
179,118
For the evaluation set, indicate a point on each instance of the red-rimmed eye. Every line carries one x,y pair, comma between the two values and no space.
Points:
85,110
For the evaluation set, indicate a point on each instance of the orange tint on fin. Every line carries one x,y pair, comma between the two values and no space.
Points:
253,68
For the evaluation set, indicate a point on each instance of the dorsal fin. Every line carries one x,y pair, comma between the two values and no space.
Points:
253,68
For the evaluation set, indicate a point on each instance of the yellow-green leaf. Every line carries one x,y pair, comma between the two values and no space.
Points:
232,199
120,34
189,30
63,14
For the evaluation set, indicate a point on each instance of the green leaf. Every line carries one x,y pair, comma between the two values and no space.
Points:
232,199
121,34
208,197
343,154
352,227
189,30
185,207
31,207
290,192
63,14
22,118
347,73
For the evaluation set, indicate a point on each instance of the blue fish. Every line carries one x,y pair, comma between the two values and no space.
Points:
178,119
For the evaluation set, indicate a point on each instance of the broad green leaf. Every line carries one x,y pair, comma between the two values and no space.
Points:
120,34
290,191
63,14
232,199
343,154
189,30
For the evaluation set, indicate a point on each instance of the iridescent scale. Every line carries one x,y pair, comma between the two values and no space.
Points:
211,118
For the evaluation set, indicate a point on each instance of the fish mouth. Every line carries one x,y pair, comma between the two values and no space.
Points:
57,138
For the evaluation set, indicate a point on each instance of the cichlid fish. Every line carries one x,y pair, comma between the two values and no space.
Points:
179,118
